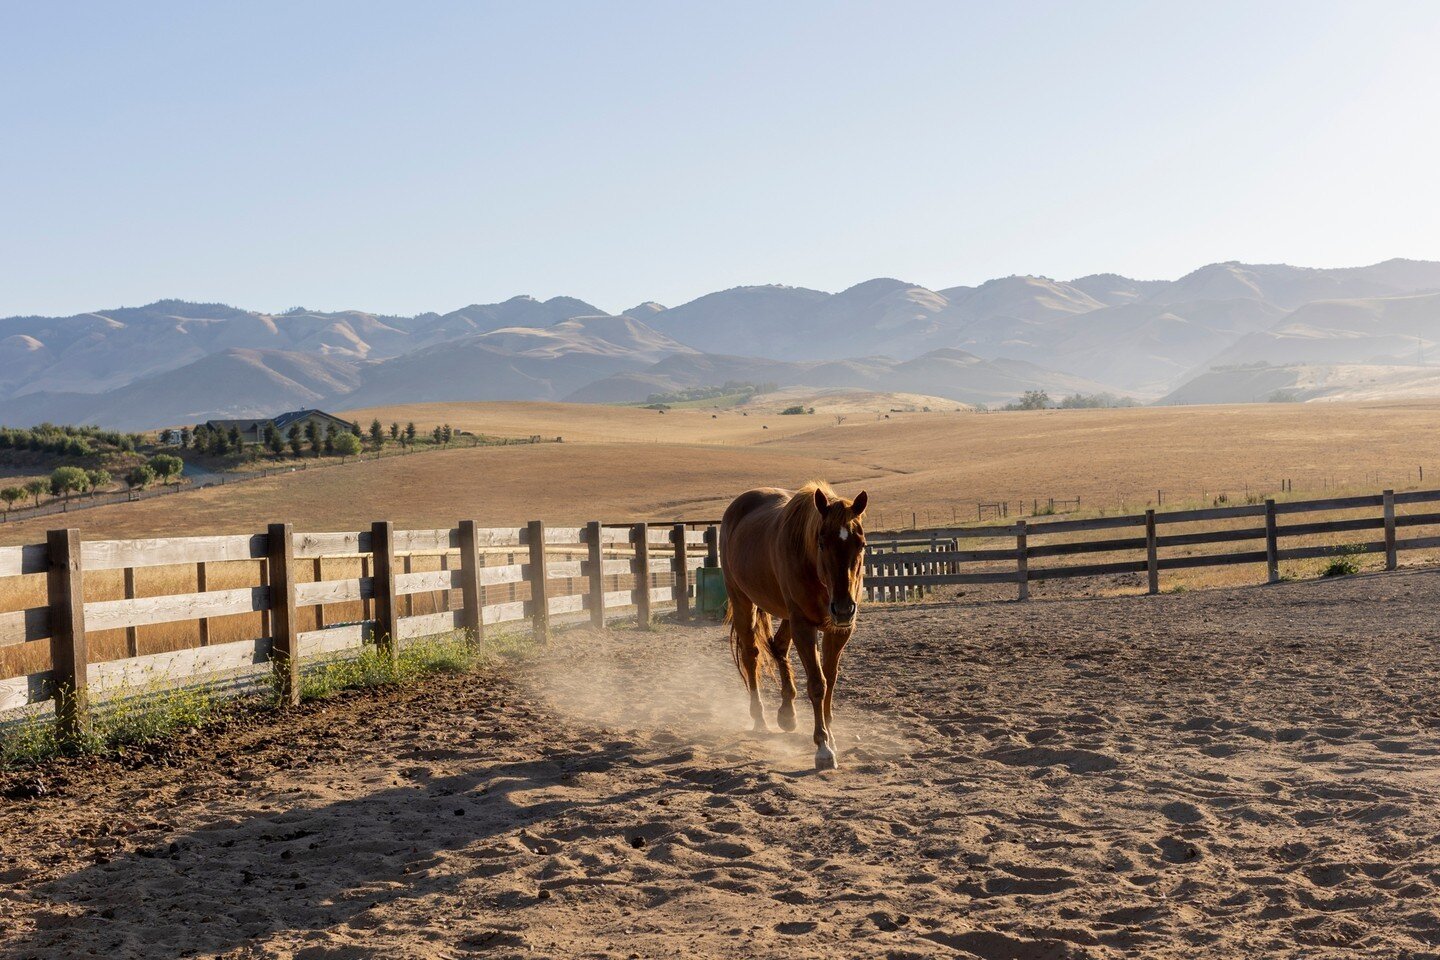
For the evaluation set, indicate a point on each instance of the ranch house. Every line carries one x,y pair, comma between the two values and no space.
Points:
253,431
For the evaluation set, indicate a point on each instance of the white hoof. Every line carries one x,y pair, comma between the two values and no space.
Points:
826,759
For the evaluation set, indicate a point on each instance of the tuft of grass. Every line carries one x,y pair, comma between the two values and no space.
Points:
1345,562
375,667
121,723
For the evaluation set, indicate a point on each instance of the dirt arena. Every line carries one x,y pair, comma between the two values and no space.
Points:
1229,773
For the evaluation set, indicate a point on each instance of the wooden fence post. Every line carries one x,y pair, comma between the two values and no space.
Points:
539,598
319,574
1152,554
132,634
682,574
202,583
407,563
1022,560
712,546
640,536
280,552
472,594
265,630
367,604
1390,558
594,540
1272,544
69,660
387,611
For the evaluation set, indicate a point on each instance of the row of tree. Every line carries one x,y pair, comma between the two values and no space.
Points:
66,481
1040,400
442,435
298,441
67,441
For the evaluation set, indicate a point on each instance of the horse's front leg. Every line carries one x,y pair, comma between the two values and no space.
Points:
807,636
830,662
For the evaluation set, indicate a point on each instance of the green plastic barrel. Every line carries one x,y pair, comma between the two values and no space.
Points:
710,596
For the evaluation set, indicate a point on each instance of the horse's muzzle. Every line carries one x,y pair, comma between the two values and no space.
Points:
843,613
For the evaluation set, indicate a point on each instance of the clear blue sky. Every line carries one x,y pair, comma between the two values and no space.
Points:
412,156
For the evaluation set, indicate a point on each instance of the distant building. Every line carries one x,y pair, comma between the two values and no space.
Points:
253,431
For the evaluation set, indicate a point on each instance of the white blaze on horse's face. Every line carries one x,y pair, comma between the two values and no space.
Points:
840,555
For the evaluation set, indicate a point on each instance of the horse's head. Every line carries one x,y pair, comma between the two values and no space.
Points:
840,553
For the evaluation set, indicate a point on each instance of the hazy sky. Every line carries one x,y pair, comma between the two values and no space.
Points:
412,156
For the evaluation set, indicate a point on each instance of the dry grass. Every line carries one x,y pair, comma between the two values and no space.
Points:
935,465
578,422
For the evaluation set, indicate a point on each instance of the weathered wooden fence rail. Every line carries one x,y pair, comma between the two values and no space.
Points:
500,575
896,570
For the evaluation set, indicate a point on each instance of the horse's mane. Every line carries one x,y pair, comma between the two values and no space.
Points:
800,520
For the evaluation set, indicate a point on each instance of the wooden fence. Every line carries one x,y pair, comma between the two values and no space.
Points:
543,572
894,570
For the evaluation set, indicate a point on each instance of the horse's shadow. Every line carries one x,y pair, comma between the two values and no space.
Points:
223,885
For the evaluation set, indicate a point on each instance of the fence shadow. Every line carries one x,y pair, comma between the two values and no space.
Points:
219,887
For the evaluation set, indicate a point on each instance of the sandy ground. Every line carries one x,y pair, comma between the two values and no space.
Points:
1232,773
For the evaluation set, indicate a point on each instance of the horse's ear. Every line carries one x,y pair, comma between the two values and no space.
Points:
822,502
860,503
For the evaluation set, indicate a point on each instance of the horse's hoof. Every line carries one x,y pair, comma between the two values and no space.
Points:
825,759
786,718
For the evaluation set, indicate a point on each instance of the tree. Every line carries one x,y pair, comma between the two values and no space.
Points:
10,495
65,481
98,479
236,443
435,435
37,487
292,436
1034,400
377,433
273,442
446,434
219,443
139,477
395,432
347,445
167,436
312,435
184,437
410,433
330,434
167,468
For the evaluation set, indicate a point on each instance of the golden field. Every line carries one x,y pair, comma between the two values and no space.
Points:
623,464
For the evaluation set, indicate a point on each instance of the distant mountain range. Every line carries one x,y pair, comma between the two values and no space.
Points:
177,362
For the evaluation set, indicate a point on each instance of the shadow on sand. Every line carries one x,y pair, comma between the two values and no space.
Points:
220,887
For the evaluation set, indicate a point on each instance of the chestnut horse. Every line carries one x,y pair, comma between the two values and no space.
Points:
797,557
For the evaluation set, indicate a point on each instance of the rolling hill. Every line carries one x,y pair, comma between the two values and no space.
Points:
173,360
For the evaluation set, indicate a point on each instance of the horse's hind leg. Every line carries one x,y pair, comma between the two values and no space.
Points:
746,627
780,647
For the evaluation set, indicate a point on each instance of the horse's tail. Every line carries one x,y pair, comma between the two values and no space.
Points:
761,632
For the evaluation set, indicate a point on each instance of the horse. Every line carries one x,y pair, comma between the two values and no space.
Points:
797,557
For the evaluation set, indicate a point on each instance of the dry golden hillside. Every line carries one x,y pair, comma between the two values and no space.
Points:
638,464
